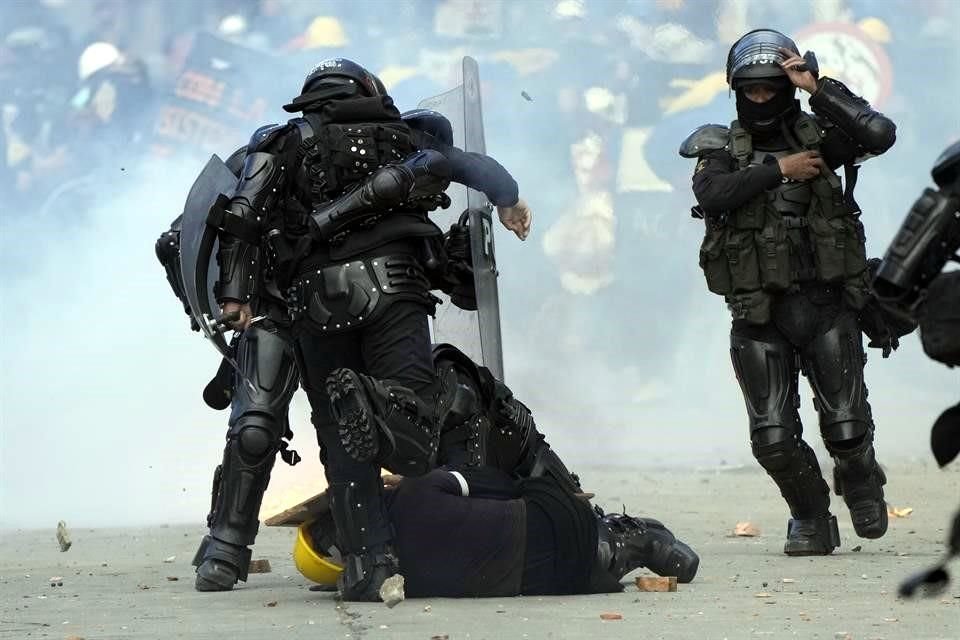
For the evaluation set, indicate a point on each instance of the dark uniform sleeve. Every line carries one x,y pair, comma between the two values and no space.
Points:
720,186
475,170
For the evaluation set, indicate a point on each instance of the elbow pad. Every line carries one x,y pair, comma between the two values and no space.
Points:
870,129
239,267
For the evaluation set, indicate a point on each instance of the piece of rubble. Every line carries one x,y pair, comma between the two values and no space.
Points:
391,592
172,578
427,608
611,615
74,638
746,530
170,559
857,549
843,635
56,581
788,581
899,512
762,594
63,536
259,566
656,583
272,603
440,637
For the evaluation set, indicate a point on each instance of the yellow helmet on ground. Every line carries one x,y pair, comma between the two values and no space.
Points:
313,566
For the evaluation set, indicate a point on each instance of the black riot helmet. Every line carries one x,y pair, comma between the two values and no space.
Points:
756,57
343,71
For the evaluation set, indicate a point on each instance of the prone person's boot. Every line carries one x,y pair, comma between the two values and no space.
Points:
626,543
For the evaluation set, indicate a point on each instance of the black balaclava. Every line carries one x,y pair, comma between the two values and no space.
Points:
763,118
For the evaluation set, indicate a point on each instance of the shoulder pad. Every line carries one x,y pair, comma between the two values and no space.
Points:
235,161
263,136
705,138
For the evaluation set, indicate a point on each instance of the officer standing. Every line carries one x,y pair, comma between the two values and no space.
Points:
784,245
334,206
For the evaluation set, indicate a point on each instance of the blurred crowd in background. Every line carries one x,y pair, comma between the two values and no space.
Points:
586,101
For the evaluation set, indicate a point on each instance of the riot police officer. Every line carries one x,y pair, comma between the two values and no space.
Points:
785,247
333,206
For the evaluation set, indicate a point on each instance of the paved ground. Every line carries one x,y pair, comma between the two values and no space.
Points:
116,583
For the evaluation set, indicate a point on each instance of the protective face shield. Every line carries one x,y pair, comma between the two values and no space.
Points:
755,59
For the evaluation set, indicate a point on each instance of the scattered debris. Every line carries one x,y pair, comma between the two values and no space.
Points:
383,626
56,581
611,616
857,549
168,560
143,587
427,608
899,512
843,635
63,536
788,581
891,619
526,96
391,592
172,578
656,583
440,637
746,530
272,603
74,637
762,594
259,566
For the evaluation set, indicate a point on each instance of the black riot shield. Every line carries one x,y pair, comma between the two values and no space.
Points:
198,242
476,333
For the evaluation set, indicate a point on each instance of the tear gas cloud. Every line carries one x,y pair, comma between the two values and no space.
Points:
610,335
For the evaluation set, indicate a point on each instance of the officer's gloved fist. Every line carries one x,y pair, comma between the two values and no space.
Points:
243,314
517,218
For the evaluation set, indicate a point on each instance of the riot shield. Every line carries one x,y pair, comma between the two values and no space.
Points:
476,333
198,242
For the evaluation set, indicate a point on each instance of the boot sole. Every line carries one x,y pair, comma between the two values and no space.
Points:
355,418
874,530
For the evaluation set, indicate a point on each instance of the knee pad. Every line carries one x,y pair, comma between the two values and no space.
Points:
844,436
774,447
256,435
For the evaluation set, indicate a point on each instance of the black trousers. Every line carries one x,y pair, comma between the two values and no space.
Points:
393,346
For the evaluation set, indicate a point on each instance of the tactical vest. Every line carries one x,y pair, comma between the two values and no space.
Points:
339,155
798,232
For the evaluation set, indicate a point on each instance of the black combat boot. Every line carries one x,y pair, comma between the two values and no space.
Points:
363,536
220,564
793,466
383,423
859,479
817,536
627,543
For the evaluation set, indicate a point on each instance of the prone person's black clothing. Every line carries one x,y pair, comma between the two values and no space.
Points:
477,532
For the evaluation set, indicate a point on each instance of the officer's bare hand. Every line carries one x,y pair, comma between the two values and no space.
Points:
801,79
517,218
243,311
801,166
